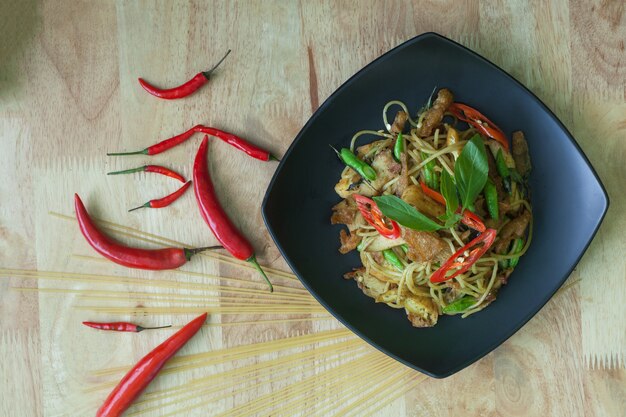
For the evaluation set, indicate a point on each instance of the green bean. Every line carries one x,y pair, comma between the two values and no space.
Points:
491,197
398,148
392,258
459,305
504,171
517,246
431,178
356,164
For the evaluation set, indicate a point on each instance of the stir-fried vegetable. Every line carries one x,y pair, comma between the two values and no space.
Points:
491,197
408,216
428,172
516,247
464,262
468,218
479,121
392,258
504,171
351,160
398,147
373,215
459,305
471,171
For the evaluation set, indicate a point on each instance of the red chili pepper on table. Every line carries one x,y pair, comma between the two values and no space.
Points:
486,238
182,90
215,216
153,259
476,119
469,219
165,201
371,213
140,376
121,326
233,140
151,168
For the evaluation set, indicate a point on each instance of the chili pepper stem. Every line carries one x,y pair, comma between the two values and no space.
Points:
190,252
127,171
147,205
208,73
141,152
141,328
273,158
254,262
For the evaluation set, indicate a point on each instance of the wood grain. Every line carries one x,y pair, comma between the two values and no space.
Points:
69,94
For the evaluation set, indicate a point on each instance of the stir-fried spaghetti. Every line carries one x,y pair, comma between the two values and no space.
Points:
417,164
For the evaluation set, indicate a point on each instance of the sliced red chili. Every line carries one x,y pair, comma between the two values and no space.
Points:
432,193
462,262
476,119
469,219
372,214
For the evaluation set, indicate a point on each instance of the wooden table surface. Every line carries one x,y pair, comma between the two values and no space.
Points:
69,94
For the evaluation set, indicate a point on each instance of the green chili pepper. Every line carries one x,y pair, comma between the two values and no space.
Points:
431,178
517,246
491,197
398,148
459,305
392,258
351,160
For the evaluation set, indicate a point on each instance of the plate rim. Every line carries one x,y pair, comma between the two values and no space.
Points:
544,107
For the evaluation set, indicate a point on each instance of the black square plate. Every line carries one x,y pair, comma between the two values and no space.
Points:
569,202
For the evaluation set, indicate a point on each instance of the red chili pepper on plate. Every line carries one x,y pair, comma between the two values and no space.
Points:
371,213
233,140
121,326
463,262
151,168
153,259
469,219
165,201
215,216
182,90
476,119
140,376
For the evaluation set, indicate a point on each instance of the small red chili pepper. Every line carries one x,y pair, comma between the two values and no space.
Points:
486,238
215,216
154,259
469,219
239,143
151,168
165,201
479,121
233,140
371,213
121,326
182,90
140,376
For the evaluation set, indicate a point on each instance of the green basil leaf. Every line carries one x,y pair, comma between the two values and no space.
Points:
405,214
471,170
452,220
448,190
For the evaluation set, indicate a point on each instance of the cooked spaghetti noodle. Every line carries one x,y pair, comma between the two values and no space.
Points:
432,143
